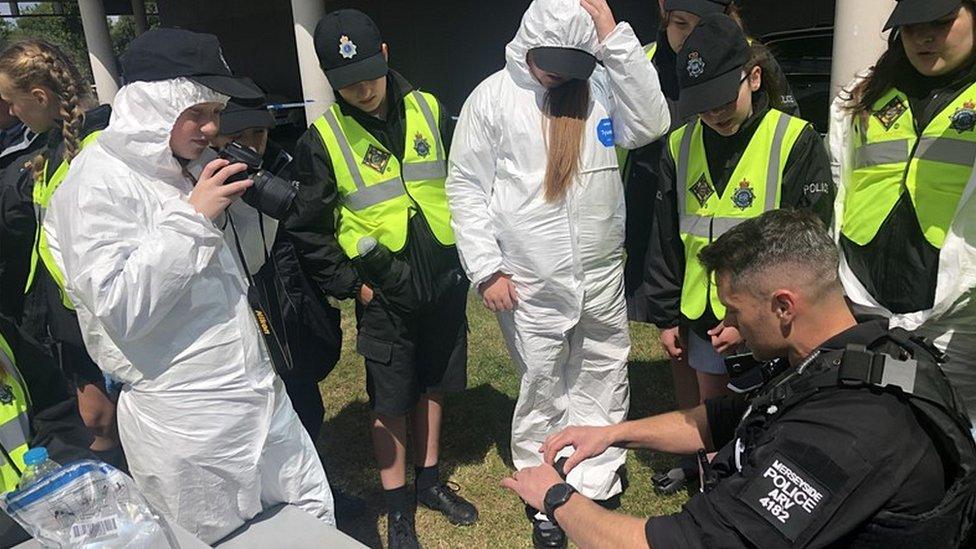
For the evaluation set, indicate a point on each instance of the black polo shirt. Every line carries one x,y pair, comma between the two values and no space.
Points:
816,475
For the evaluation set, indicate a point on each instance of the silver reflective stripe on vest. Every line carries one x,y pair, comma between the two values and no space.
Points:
365,196
885,152
431,169
419,171
13,433
374,194
713,227
346,149
947,151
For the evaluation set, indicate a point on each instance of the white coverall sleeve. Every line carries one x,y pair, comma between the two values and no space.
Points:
127,276
637,107
470,180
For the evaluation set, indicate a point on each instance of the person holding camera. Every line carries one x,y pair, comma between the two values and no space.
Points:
164,306
853,438
371,222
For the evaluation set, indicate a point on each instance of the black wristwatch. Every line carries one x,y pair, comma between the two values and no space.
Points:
556,497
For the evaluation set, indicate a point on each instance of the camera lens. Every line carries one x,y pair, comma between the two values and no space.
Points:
270,194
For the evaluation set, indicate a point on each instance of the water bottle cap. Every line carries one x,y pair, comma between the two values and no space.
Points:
366,245
35,455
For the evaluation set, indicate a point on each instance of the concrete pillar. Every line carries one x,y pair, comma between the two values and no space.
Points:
858,40
99,49
315,87
139,15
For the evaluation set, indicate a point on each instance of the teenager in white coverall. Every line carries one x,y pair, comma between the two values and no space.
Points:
209,432
566,324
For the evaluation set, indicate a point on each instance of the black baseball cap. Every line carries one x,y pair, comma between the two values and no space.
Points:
700,8
350,48
238,116
164,54
710,65
912,12
567,62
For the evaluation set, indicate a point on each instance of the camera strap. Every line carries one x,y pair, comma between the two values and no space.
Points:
280,355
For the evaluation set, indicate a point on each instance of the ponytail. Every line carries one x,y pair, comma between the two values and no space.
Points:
31,63
566,108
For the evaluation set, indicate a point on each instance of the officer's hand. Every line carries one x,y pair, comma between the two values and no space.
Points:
587,441
498,293
725,338
532,483
602,17
671,341
210,195
365,295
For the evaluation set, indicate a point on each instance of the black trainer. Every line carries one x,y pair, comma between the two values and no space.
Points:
400,532
547,535
443,497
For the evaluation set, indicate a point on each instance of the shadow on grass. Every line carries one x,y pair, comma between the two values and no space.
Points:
651,393
474,422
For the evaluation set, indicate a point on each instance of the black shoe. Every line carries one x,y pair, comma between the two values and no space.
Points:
400,532
444,498
547,535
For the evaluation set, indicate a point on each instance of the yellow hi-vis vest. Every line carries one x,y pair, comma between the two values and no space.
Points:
14,419
43,191
623,155
891,158
704,215
377,195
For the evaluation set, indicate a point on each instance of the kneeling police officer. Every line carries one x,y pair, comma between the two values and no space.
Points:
853,437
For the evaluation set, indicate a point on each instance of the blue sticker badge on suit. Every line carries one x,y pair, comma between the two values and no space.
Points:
604,131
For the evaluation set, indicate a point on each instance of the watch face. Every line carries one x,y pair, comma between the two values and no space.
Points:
558,494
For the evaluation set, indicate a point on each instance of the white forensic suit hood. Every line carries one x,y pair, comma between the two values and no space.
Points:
568,334
209,433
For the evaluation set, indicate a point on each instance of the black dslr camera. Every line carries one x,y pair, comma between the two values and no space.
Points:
270,194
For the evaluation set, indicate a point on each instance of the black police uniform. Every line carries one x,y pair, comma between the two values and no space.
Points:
44,316
642,175
822,458
16,225
807,184
899,267
407,352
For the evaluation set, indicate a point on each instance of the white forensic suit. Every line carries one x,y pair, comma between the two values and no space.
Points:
208,430
951,322
568,335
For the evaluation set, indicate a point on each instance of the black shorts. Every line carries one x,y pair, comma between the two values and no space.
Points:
410,355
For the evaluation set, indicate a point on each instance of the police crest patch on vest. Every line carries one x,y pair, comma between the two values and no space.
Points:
421,146
702,190
6,394
964,119
376,159
890,113
744,196
786,495
696,65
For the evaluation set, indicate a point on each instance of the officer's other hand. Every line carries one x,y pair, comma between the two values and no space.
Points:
671,341
498,293
602,17
532,483
210,195
725,338
365,295
586,441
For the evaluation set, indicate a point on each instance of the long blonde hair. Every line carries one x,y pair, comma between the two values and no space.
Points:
31,63
566,108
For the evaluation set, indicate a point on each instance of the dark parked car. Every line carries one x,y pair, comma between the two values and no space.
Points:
805,57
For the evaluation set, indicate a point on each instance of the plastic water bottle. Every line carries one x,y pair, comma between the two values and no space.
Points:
38,464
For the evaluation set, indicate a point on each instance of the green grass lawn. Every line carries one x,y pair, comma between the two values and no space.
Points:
475,441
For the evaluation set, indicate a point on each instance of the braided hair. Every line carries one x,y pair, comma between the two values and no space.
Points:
35,63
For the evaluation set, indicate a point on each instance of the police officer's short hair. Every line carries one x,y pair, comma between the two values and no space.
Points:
792,239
